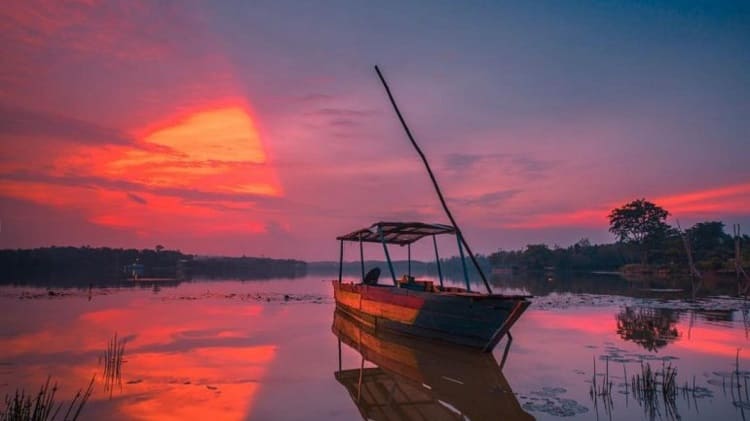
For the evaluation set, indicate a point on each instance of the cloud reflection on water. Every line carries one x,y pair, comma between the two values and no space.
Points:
198,349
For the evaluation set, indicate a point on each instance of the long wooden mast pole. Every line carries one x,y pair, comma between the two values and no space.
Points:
434,181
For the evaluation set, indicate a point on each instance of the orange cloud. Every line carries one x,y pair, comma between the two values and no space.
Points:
578,218
90,27
210,150
213,135
45,194
165,153
156,187
732,200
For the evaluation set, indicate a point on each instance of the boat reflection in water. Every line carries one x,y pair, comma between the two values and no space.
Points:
420,380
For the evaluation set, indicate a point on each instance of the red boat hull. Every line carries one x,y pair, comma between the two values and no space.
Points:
469,319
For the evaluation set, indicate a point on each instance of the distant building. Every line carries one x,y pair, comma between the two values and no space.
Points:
134,270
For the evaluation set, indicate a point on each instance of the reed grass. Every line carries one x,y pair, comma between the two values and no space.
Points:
655,390
602,391
605,387
23,406
652,386
112,361
737,382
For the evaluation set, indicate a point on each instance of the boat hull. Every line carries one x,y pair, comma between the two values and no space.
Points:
472,320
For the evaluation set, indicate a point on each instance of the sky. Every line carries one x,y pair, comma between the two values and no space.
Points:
260,128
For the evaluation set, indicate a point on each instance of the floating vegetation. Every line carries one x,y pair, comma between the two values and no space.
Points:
268,297
265,297
26,295
656,390
22,406
40,293
549,401
700,305
112,361
556,301
619,355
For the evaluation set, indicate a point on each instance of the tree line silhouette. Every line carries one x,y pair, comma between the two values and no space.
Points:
645,243
82,266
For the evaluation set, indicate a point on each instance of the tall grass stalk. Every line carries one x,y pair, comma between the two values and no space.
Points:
22,406
112,360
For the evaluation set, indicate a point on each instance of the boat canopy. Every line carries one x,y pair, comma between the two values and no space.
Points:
401,233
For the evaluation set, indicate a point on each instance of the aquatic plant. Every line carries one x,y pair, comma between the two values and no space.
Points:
112,361
738,381
605,388
23,406
656,390
652,386
602,391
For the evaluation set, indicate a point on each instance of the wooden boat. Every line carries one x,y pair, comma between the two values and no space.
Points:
421,308
415,380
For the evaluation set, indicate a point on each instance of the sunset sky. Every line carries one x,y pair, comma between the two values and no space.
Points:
260,128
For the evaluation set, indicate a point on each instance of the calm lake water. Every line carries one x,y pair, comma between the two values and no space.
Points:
266,350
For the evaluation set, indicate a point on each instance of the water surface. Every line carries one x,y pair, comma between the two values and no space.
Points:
265,350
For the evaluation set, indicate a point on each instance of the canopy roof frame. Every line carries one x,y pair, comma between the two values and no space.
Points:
400,233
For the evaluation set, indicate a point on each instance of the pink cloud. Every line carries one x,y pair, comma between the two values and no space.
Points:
711,203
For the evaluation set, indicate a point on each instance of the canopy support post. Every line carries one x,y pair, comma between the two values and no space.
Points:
361,258
437,258
408,247
463,260
341,260
387,255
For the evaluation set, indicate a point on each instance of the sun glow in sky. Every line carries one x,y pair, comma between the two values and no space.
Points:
217,150
185,173
237,128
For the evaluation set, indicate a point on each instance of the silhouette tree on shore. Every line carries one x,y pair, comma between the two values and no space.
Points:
641,223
